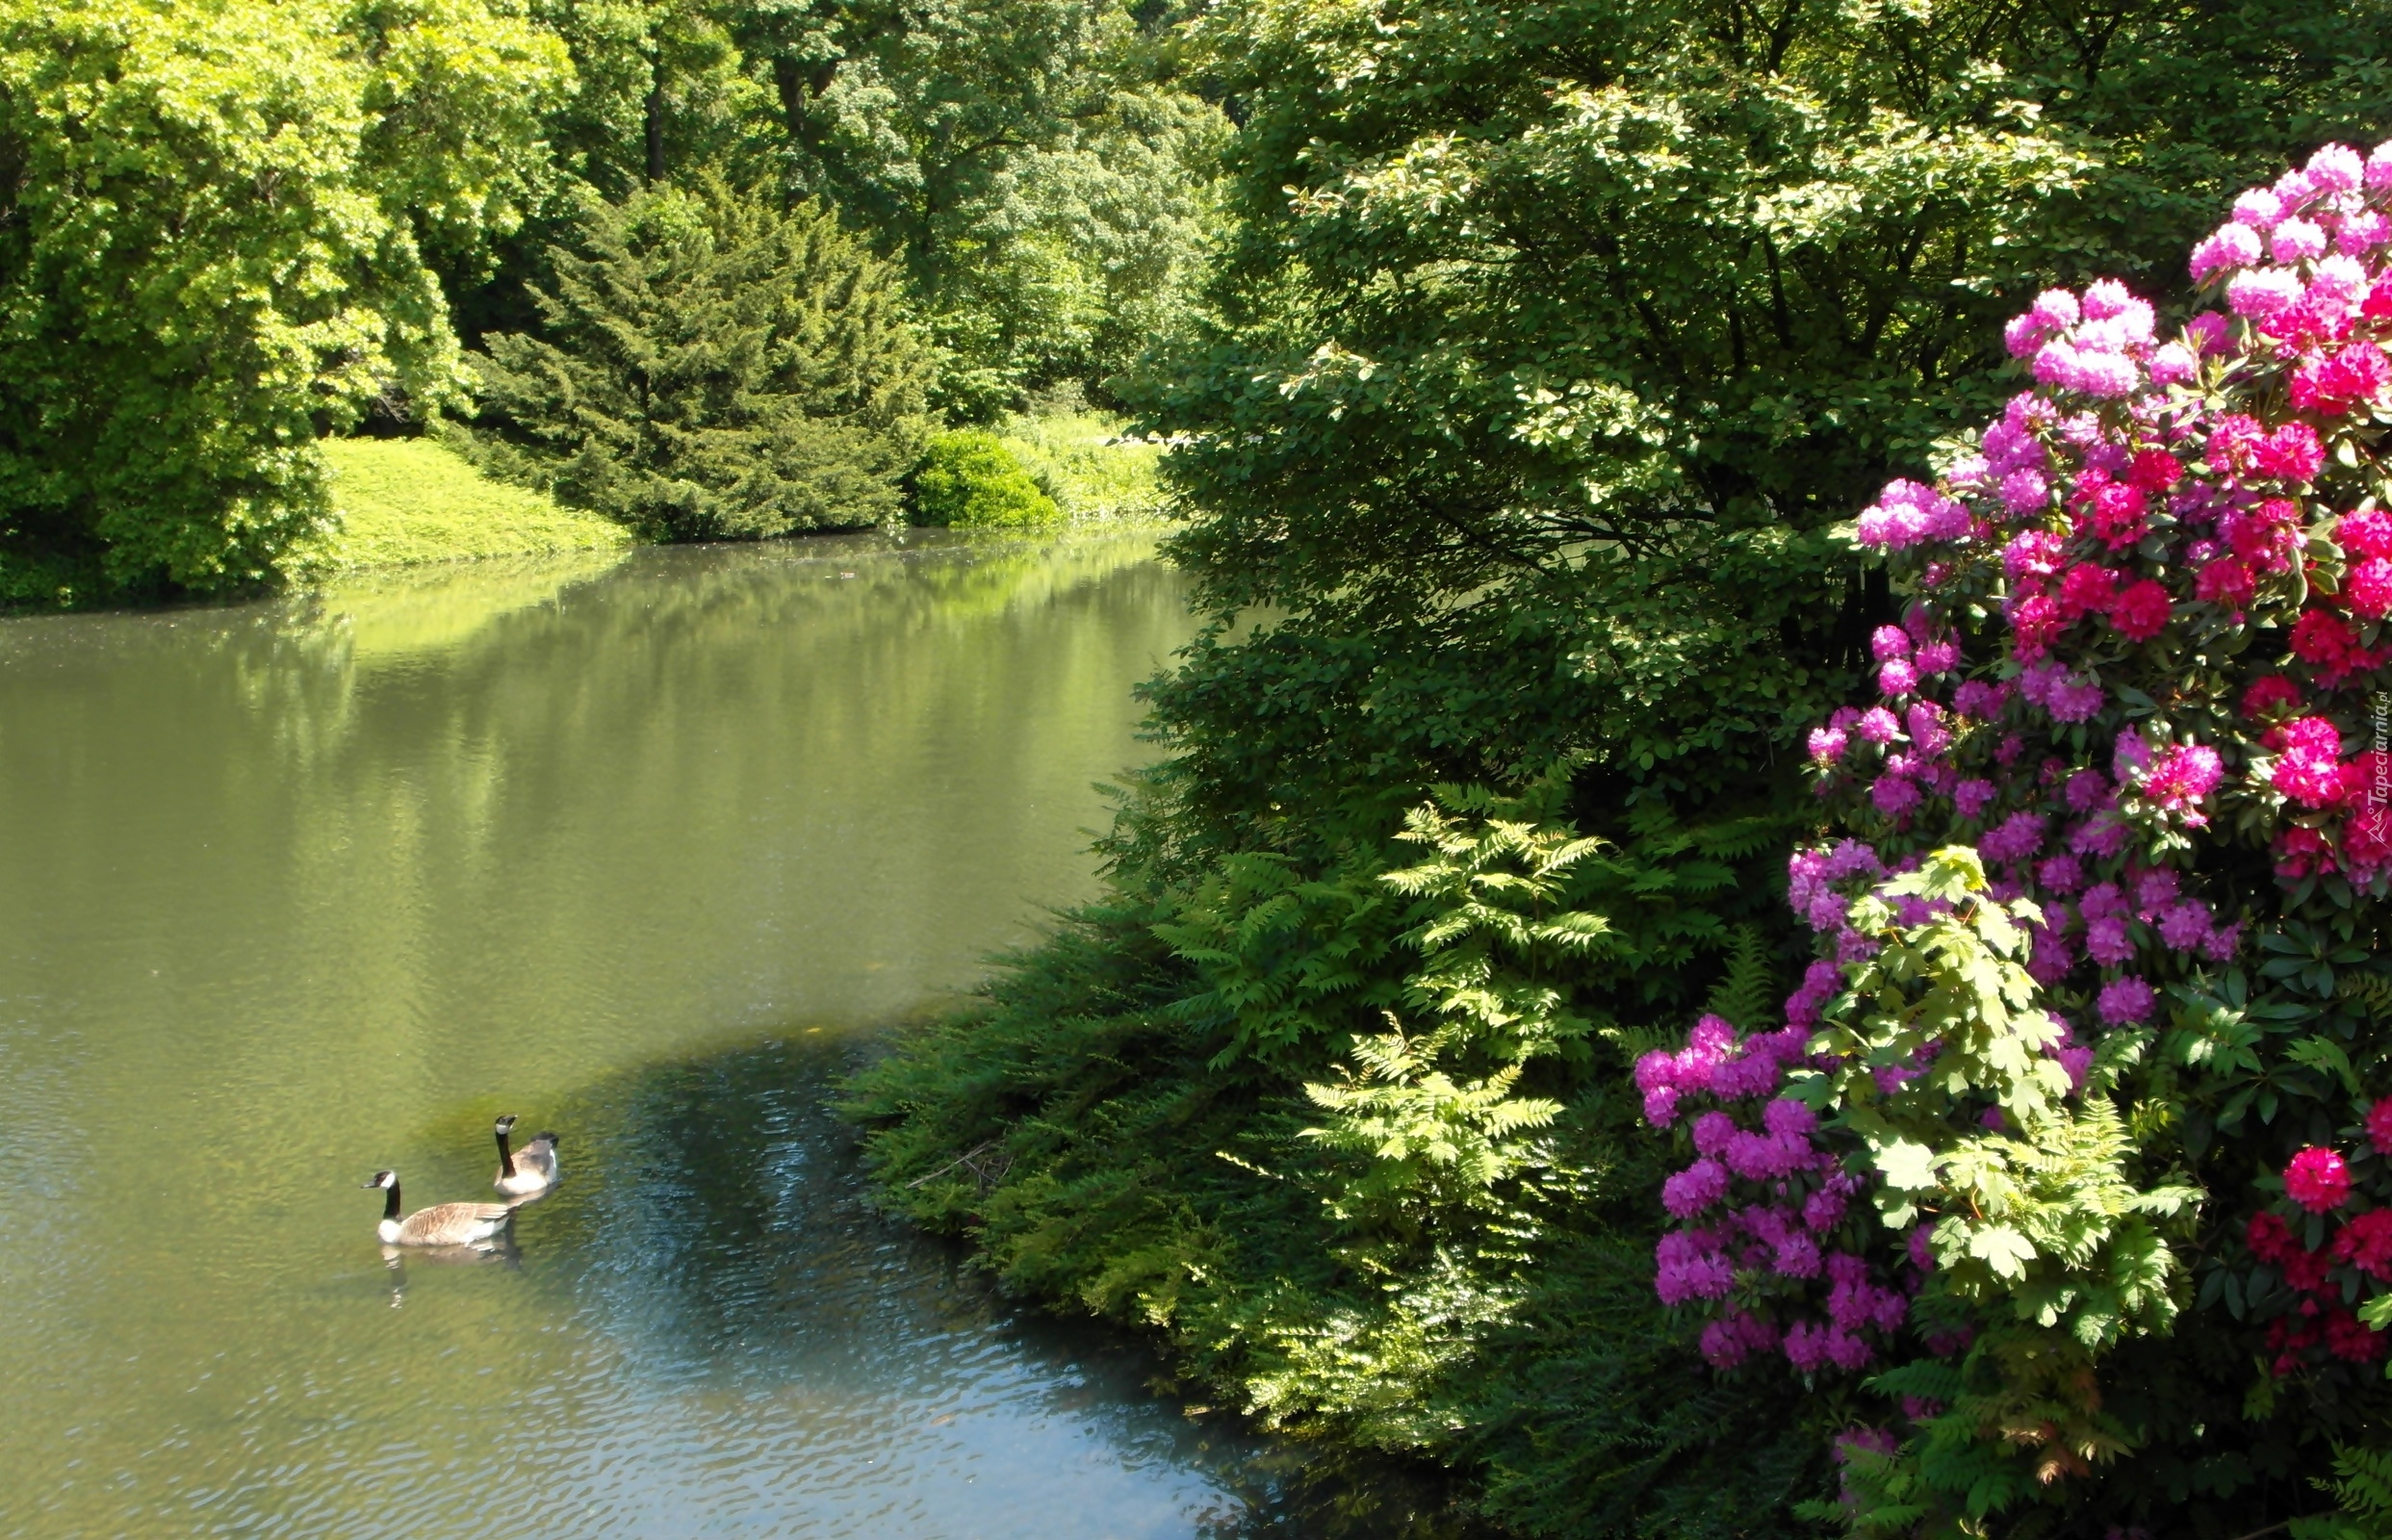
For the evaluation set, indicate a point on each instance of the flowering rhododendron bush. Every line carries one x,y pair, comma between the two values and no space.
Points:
2065,1174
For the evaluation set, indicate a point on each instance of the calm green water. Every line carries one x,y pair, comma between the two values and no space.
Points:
640,852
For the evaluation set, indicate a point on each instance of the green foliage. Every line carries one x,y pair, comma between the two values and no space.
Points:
969,480
1494,937
219,243
1085,462
216,232
712,368
1035,165
2362,1494
1513,278
1210,1129
1039,170
2041,1213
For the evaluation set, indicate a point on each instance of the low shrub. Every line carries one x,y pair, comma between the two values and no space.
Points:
970,481
1083,461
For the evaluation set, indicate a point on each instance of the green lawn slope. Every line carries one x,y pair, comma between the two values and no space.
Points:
404,500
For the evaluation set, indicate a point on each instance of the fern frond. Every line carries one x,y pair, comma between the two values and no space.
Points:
1746,993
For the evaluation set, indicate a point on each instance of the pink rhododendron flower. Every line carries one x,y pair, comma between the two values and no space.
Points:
1907,513
2380,1128
2107,941
2229,246
1712,1132
1975,698
2227,580
2334,283
2155,888
2308,771
2330,386
2259,208
2077,519
1733,1338
1695,1188
2290,453
1686,1268
2269,694
2367,587
2033,553
2363,232
2318,1179
2057,309
2086,589
2017,838
2087,790
2380,169
2336,169
2365,534
2181,776
2125,1002
2325,641
2186,927
2141,610
1929,736
2366,1243
1894,795
2295,240
2262,291
2172,364
2208,333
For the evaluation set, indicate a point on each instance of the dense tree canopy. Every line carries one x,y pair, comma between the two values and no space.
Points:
217,240
712,369
233,226
1038,168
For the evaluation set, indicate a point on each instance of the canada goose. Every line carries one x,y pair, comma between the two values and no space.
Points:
440,1224
530,1170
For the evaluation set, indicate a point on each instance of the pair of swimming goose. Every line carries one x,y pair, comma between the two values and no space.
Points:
523,1173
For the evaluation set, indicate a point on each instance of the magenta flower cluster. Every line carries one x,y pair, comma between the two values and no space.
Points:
2151,493
1764,1197
2349,1246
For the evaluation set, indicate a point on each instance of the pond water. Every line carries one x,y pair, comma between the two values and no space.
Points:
640,849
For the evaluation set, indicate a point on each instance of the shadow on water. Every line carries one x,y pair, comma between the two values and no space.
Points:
726,1238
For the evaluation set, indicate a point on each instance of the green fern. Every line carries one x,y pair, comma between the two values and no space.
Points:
2362,1494
2368,989
1747,993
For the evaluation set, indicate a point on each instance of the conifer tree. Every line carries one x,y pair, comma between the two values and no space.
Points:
711,368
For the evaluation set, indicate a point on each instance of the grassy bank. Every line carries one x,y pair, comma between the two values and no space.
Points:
407,501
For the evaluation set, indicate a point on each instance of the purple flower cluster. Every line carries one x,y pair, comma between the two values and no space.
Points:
1764,1205
1907,513
1714,1062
